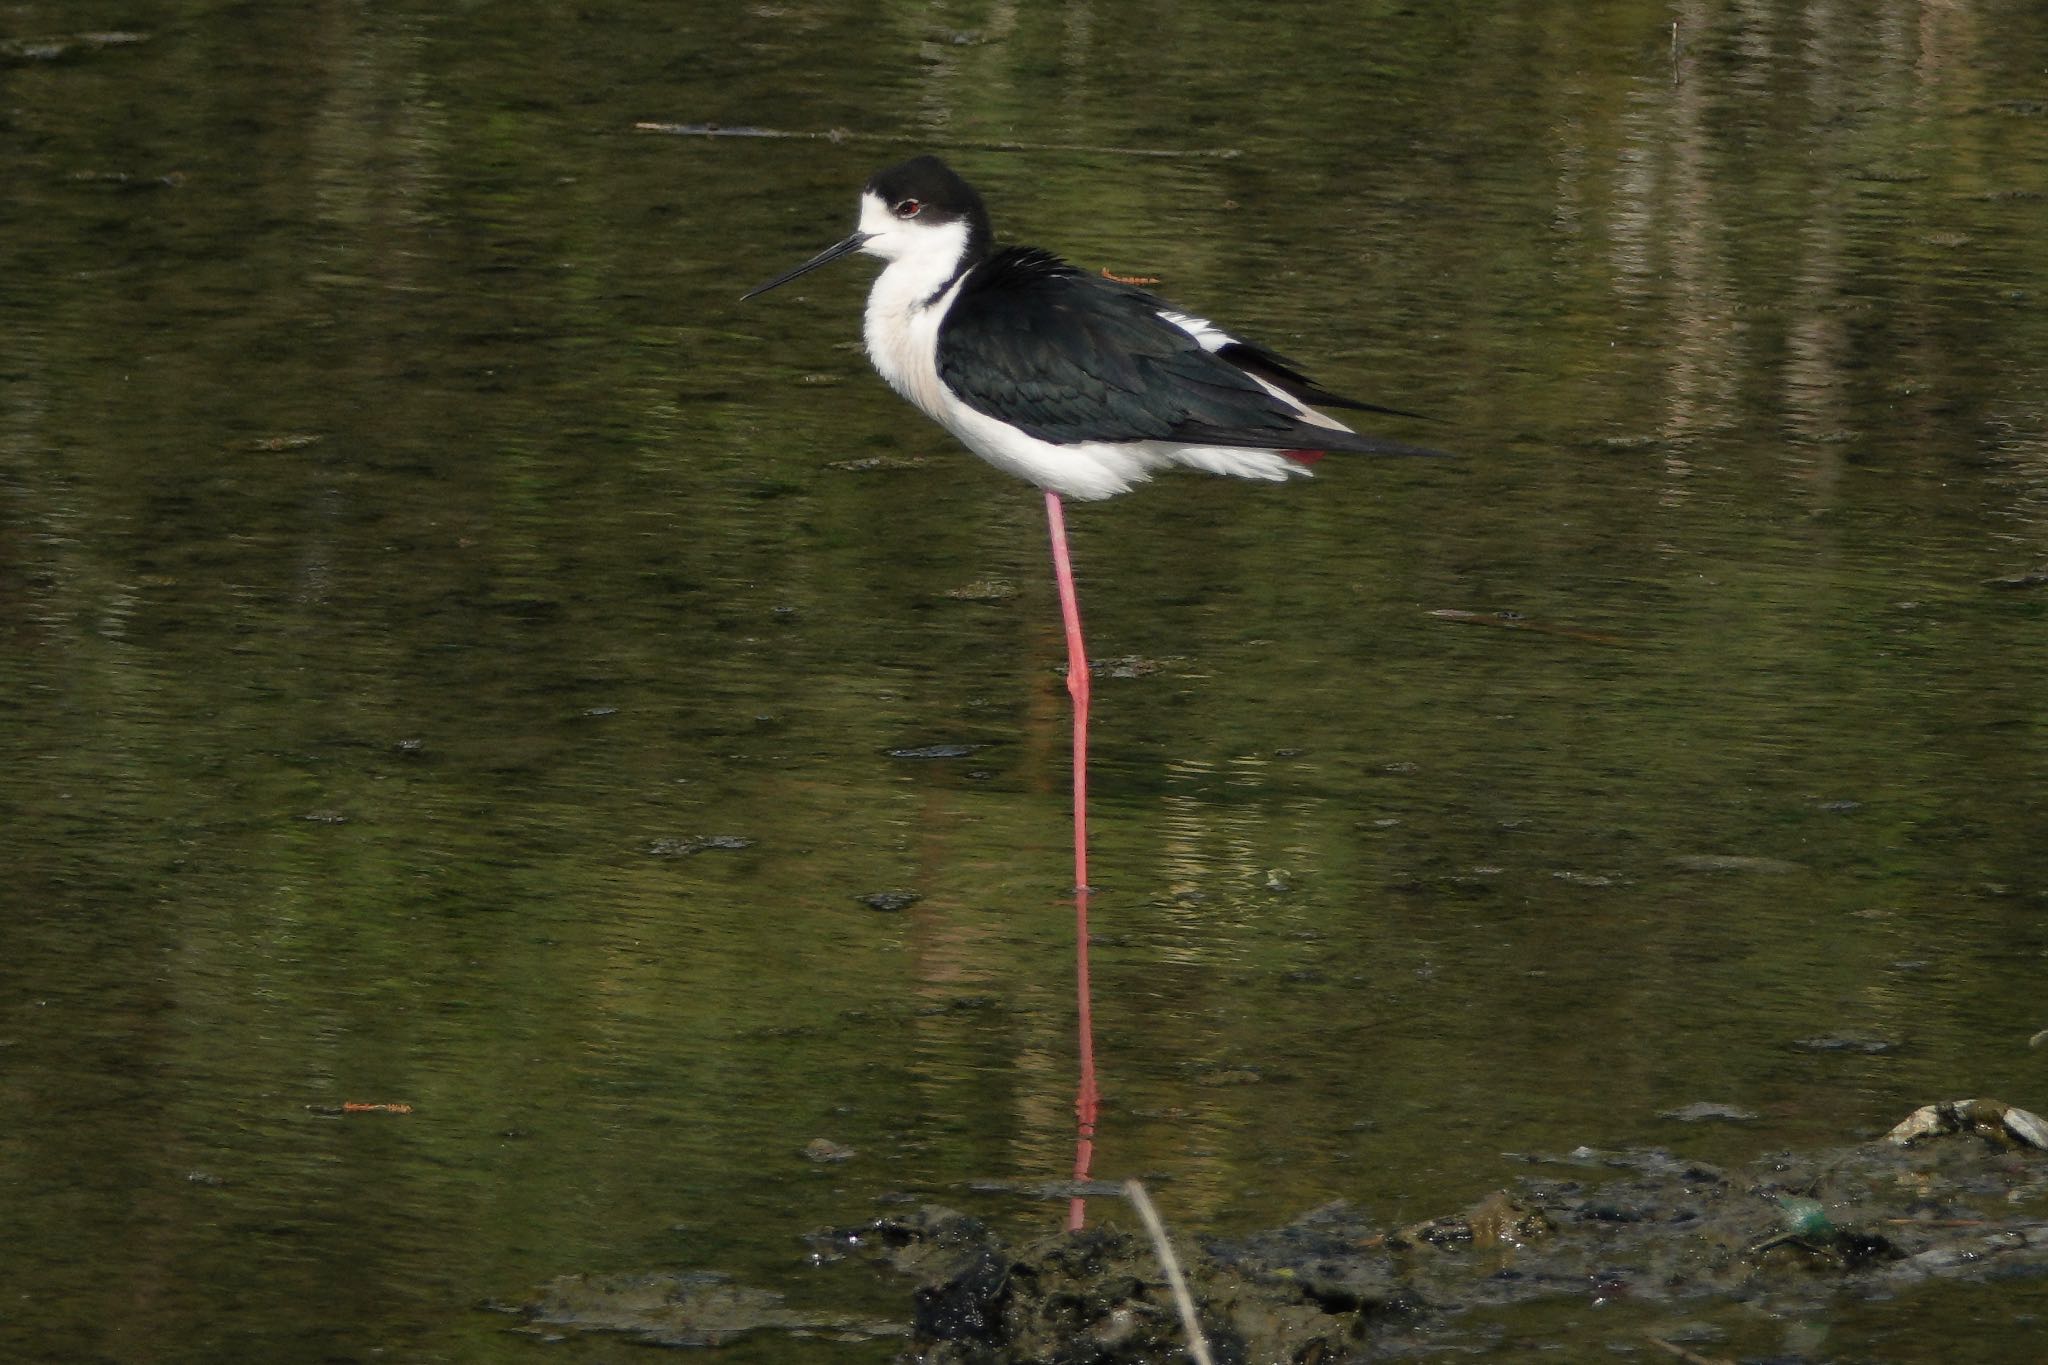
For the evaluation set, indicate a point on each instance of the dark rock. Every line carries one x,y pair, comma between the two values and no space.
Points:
967,1306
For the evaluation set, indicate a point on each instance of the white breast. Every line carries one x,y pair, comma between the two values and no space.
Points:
902,333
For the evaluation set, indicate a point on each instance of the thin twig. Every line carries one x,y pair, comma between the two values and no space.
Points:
1198,1345
848,135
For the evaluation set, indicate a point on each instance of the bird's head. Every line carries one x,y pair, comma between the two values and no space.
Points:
918,212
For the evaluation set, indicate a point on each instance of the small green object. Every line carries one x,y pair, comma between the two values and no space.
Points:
1805,1217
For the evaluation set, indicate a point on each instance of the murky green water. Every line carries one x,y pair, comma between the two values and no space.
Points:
410,552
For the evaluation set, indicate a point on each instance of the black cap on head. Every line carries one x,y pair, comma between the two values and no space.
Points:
930,191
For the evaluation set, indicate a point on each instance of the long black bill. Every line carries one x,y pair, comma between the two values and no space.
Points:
825,257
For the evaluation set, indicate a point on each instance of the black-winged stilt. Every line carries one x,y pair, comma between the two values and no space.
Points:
1080,384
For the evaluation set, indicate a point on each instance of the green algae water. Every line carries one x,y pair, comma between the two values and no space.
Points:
454,656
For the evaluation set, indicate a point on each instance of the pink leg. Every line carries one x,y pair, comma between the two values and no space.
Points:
1077,688
1084,1094
1077,681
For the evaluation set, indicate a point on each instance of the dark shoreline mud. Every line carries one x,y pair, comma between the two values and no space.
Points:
1958,1193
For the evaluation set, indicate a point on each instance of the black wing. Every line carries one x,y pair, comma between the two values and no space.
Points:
1068,357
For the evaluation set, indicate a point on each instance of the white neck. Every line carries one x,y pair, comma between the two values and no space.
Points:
901,328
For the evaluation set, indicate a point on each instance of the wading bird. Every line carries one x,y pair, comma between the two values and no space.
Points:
1078,383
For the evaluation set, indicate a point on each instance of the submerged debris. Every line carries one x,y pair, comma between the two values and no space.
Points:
1836,1042
889,902
694,1309
984,590
2031,578
1734,862
1130,666
1647,1226
1959,1191
871,463
65,45
1986,1118
703,843
1705,1111
928,752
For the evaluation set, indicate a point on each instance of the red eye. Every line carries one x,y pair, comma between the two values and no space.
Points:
909,208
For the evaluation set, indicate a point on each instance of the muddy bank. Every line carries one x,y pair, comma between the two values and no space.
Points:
1956,1193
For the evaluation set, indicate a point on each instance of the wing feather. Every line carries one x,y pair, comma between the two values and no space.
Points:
1068,357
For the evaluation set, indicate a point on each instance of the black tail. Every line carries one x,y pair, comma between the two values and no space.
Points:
1280,372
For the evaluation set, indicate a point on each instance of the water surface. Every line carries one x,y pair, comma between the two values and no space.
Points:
411,555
